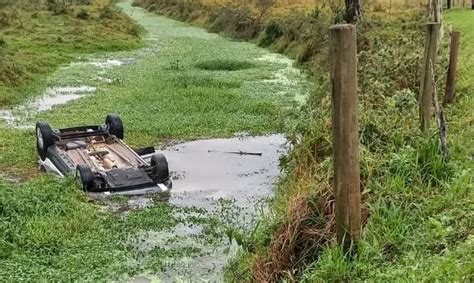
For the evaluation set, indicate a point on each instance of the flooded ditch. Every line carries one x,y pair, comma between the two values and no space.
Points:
218,185
224,181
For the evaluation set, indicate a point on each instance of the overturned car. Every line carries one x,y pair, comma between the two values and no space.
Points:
99,158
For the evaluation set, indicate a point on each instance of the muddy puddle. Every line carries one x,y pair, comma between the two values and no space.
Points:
52,97
208,170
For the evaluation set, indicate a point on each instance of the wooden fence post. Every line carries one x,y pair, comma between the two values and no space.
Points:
343,57
452,69
426,89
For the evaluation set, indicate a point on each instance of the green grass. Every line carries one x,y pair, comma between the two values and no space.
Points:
51,231
224,65
35,43
420,222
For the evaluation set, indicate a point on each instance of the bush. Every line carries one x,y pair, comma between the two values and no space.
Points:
57,7
134,30
236,22
272,32
83,14
4,19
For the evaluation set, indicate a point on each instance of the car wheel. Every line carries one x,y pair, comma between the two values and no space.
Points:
114,125
161,172
85,177
44,138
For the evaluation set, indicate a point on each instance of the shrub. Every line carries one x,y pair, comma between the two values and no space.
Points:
272,32
57,7
83,14
236,22
134,30
4,19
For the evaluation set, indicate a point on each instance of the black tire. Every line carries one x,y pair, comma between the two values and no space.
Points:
85,177
44,138
161,172
114,125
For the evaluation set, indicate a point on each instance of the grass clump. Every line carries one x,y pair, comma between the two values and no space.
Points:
224,65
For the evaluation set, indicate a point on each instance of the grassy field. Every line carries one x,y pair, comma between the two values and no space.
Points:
184,84
35,40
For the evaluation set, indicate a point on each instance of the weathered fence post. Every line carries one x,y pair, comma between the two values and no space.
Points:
343,57
452,69
426,89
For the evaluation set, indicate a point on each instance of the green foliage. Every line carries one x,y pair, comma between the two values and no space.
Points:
401,169
109,12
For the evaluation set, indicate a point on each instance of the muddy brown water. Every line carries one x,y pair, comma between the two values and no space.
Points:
204,171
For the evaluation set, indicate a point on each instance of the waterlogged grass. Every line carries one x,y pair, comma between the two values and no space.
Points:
51,231
46,226
188,88
33,43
